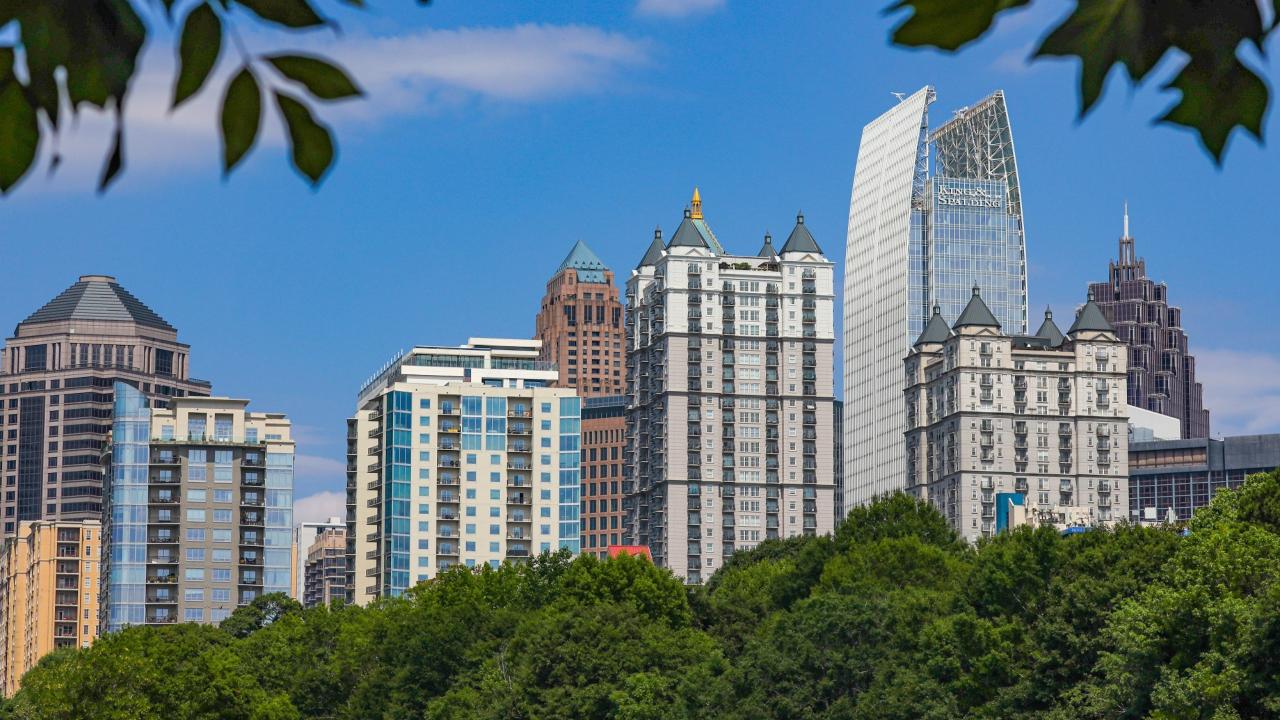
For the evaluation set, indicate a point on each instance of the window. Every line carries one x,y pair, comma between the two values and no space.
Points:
195,495
222,496
221,535
193,594
195,554
193,615
195,534
222,515
220,594
193,574
221,575
194,515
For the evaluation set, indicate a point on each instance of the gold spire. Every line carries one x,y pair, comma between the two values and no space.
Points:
696,205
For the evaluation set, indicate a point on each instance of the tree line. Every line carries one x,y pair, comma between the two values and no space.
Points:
892,616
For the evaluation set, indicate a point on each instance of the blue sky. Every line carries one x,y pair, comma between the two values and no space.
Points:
496,134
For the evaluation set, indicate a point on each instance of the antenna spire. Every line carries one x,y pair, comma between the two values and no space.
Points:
1126,218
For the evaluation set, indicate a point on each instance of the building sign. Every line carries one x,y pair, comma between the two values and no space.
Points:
969,197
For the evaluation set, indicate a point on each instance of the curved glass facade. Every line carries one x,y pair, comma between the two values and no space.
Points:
917,239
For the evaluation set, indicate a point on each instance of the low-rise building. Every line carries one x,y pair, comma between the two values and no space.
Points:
48,593
304,534
998,422
325,572
199,510
1169,480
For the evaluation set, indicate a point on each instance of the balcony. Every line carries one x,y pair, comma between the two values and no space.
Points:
519,429
519,411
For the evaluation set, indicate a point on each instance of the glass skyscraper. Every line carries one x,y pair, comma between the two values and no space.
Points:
934,214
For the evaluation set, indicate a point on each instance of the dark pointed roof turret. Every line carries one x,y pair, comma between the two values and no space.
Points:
935,331
1090,319
767,250
801,240
1049,330
976,313
654,253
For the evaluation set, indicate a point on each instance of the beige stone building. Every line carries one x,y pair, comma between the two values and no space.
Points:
199,506
1009,429
56,375
459,456
49,578
730,393
325,573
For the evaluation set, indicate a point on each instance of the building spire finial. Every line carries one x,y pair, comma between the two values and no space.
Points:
1126,218
696,205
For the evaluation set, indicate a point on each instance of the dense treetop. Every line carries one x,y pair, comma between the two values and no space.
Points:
892,617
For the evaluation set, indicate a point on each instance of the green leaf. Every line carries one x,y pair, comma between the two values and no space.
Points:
310,142
289,13
948,24
322,79
197,51
1105,32
1217,100
115,160
241,118
6,64
19,133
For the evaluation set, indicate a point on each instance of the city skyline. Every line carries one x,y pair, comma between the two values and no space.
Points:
496,169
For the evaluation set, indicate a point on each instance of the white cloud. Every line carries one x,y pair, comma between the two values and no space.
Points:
317,467
320,507
677,8
1241,390
413,74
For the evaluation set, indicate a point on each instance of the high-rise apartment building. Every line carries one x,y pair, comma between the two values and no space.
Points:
325,572
459,455
304,534
580,326
998,421
604,444
56,374
934,213
1171,479
837,424
199,510
1162,371
729,378
48,593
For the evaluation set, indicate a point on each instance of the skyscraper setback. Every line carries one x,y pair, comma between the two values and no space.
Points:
921,236
56,377
580,326
1162,371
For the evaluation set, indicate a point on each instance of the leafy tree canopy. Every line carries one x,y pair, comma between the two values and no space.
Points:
892,617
